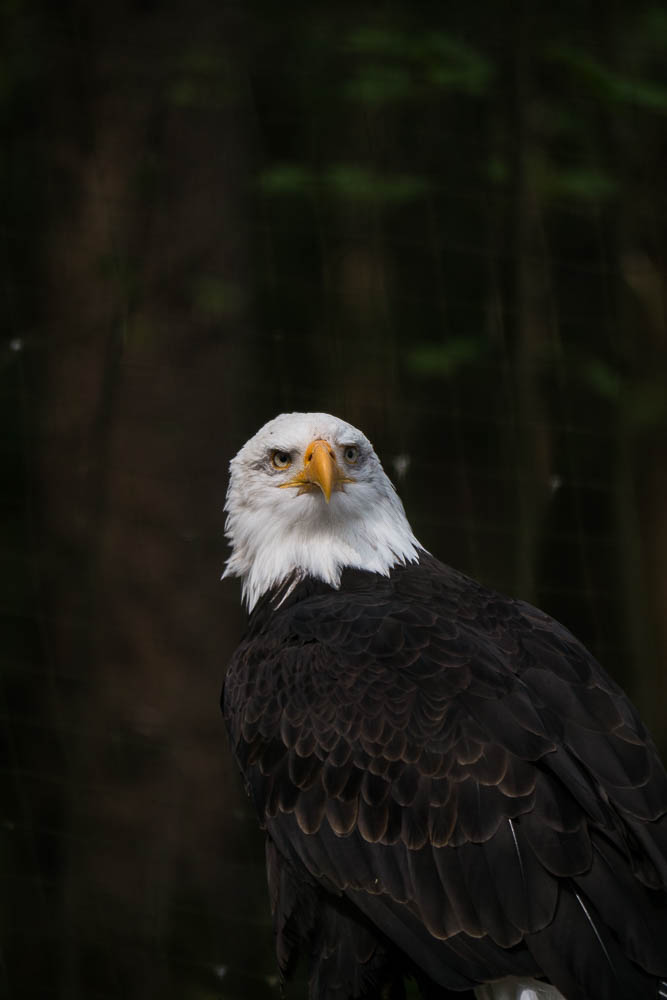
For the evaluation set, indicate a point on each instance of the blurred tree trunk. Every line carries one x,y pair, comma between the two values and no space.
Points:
638,256
137,429
641,487
531,312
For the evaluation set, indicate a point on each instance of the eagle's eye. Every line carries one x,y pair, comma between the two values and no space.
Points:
351,454
281,459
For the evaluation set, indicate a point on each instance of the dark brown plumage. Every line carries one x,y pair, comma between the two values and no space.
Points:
452,788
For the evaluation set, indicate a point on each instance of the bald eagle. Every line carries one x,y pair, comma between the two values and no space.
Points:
452,789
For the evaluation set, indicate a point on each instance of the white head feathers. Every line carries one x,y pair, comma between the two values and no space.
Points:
282,525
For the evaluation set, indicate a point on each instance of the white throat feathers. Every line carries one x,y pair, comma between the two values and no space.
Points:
308,496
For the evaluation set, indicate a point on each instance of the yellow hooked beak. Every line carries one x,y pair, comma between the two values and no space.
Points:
320,469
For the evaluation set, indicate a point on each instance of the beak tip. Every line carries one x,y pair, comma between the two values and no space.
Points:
325,489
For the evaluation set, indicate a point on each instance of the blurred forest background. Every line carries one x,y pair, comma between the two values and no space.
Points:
444,222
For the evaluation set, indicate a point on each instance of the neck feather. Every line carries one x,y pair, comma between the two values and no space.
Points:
272,547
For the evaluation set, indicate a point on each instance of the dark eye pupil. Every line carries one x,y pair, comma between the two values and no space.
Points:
282,457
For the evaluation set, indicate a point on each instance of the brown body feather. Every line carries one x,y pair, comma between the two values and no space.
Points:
451,788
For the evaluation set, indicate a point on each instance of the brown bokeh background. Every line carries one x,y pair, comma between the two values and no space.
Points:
447,225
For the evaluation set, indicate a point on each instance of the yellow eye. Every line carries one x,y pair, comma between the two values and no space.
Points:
350,453
281,459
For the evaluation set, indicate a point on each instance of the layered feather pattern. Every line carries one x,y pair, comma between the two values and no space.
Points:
452,788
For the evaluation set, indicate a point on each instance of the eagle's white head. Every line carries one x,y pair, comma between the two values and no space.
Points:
308,497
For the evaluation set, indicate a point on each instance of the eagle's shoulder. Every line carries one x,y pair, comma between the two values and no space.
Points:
409,736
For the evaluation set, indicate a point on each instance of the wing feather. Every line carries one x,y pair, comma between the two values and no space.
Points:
457,768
